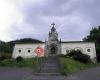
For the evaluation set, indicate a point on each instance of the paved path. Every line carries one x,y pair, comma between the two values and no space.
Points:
27,74
90,74
24,74
16,74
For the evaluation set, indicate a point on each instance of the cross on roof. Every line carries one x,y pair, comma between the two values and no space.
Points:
53,24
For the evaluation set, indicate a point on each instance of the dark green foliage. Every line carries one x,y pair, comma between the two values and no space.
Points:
72,66
19,59
64,72
94,35
27,40
7,47
83,58
98,53
5,56
74,53
30,63
78,55
62,55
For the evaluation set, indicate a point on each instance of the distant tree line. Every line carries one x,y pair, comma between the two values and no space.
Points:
94,35
7,47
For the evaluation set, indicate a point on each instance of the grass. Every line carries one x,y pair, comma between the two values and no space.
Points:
71,66
68,65
30,63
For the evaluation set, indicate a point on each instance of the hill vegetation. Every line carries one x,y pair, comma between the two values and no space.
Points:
7,47
94,35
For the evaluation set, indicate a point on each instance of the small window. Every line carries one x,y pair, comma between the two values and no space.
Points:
19,51
67,51
29,51
88,50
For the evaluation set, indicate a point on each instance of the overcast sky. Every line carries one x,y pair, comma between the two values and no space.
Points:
33,18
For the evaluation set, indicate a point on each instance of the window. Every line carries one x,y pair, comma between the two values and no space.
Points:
29,51
67,51
19,51
88,50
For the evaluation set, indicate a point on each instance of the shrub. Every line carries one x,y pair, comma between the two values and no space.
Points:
64,72
5,56
98,53
83,58
2,64
74,53
78,55
19,59
62,55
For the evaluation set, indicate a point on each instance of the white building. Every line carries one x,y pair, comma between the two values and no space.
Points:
53,47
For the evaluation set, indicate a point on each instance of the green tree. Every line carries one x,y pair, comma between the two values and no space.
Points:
7,47
94,35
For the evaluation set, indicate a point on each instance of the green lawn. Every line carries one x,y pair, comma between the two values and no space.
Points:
70,66
31,63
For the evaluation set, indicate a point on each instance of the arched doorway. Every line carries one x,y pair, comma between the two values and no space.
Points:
53,51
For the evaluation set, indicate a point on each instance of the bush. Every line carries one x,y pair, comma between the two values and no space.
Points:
83,58
2,64
62,55
72,66
19,59
78,55
98,53
64,72
74,53
5,56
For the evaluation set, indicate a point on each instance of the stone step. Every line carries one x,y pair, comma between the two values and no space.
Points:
49,77
49,70
49,66
46,67
49,74
49,61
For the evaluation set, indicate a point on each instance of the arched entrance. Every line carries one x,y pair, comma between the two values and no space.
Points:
53,51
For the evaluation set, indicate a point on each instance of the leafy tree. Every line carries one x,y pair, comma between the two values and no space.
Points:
94,35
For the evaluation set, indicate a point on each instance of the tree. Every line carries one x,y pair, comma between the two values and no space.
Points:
94,35
7,47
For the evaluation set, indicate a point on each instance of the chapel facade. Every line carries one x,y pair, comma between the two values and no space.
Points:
53,47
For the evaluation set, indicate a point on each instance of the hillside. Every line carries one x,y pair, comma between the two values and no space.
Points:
7,47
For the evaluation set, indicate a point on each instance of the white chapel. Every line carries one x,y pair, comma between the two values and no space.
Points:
53,46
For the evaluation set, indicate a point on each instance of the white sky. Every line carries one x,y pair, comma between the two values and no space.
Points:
32,18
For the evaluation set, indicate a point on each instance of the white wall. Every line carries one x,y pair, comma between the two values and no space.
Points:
83,46
24,50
